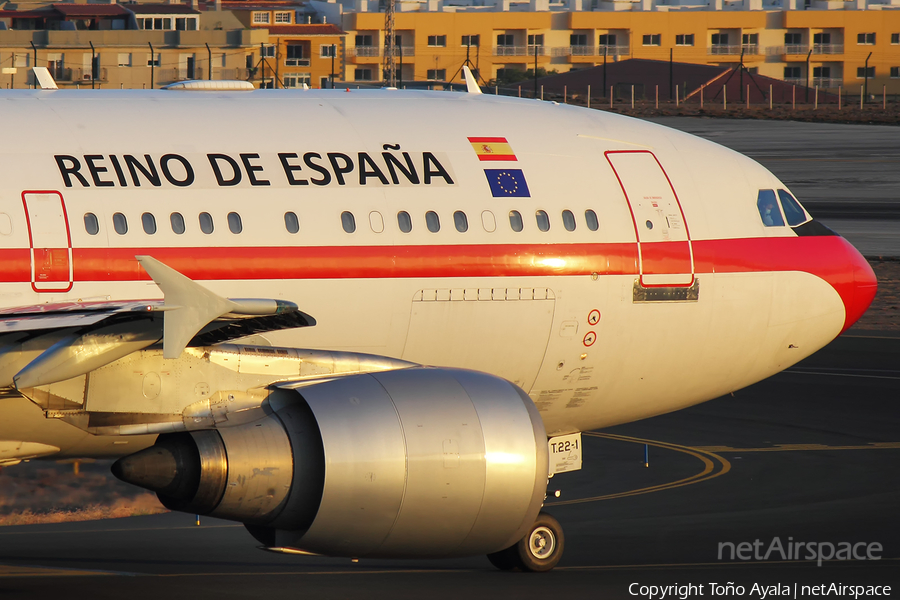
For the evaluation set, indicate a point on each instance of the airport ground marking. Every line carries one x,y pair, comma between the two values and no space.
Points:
803,447
709,460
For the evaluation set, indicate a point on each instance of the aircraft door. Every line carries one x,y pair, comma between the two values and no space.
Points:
664,242
51,243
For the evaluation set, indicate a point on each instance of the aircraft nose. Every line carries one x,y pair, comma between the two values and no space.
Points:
860,286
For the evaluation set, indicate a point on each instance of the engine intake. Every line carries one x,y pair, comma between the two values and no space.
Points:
412,462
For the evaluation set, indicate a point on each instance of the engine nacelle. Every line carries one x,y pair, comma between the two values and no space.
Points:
413,462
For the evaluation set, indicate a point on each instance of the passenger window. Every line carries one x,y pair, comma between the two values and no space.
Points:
91,224
206,223
568,220
348,222
376,221
432,221
543,221
291,222
177,222
515,221
148,221
234,222
461,221
404,222
793,212
768,209
590,218
120,223
488,221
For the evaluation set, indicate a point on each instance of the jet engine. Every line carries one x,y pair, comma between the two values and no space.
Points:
408,463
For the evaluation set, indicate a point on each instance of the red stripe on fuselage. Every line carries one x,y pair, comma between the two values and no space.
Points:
831,258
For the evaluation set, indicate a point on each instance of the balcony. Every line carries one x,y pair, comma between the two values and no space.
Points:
611,51
520,50
827,82
721,49
828,48
364,51
750,49
66,75
179,74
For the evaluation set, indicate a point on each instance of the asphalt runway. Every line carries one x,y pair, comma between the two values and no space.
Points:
811,454
847,176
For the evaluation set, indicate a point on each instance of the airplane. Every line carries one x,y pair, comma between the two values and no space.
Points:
373,323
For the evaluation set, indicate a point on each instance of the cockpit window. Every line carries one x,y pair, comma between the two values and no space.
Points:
793,212
768,209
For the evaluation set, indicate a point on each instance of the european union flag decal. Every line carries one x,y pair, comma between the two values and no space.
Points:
507,183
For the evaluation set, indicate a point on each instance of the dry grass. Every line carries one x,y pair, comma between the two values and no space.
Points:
146,504
47,492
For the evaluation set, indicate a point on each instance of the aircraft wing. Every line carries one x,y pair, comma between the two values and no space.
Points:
47,343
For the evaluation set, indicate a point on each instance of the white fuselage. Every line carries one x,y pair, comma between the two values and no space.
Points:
553,311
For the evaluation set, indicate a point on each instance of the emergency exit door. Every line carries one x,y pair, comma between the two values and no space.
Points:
51,244
664,242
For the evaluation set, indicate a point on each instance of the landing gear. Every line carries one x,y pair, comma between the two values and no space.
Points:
538,551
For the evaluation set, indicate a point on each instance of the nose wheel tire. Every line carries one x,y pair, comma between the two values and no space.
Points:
538,551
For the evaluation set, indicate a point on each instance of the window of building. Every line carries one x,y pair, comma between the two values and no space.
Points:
793,212
792,72
120,223
268,51
471,40
206,223
260,18
895,38
505,39
461,221
568,220
515,221
291,222
863,72
148,222
364,40
865,39
822,72
91,224
768,209
234,223
536,39
684,39
652,39
296,80
362,74
543,221
750,39
895,72
578,39
186,23
590,217
348,221
793,39
124,59
821,38
177,222
607,39
437,74
154,59
283,17
328,50
404,221
294,56
432,221
719,39
437,41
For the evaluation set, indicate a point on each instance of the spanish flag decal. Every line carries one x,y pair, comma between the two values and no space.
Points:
492,148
